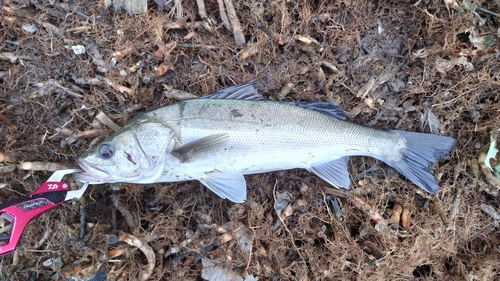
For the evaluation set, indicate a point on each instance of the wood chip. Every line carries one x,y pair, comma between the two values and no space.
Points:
145,248
405,218
7,158
396,214
106,121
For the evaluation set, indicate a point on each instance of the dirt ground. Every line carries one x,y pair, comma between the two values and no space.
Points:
426,66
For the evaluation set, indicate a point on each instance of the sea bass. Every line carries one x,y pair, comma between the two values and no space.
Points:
233,132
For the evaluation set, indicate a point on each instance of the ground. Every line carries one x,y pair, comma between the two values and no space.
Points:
424,66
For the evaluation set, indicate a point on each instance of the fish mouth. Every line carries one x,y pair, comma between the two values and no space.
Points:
91,174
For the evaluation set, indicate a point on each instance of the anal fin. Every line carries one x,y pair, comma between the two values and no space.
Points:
227,185
334,172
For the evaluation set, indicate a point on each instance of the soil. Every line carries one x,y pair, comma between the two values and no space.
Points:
426,66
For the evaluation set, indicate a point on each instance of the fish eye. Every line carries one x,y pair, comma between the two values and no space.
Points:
105,150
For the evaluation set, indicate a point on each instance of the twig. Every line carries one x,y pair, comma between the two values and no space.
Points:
66,7
266,30
489,12
490,211
43,166
235,24
201,9
208,47
43,239
119,88
113,217
83,218
184,25
358,202
223,15
68,91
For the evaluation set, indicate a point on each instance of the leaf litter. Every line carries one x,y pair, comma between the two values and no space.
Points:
428,66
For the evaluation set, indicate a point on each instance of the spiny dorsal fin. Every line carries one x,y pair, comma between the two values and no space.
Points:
244,91
247,91
328,107
201,147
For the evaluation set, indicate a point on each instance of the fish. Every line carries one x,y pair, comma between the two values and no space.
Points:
219,138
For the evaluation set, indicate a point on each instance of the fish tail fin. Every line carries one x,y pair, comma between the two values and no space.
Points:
421,151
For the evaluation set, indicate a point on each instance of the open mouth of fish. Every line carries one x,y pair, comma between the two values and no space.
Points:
92,175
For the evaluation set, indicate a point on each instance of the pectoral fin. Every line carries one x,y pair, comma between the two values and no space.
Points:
334,172
199,148
227,185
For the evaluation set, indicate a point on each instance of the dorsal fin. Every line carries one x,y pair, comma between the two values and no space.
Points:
244,91
247,91
328,107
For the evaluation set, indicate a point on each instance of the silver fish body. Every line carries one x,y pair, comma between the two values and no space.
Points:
218,140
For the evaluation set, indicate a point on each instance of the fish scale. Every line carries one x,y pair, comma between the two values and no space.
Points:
218,139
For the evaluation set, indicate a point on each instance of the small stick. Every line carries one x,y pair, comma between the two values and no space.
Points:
178,9
83,218
43,239
223,15
208,47
201,9
87,134
119,88
489,12
7,168
374,214
490,211
185,25
358,202
266,30
235,23
68,91
43,166
330,66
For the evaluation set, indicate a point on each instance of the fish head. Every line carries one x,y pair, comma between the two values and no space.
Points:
132,154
